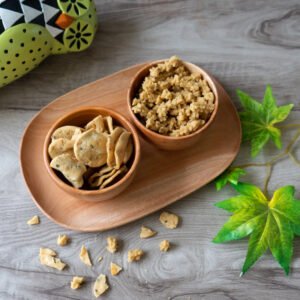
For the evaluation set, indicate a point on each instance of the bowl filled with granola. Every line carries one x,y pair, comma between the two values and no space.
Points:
172,103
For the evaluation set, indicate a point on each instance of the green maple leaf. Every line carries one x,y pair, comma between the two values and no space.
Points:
296,229
270,224
230,175
258,120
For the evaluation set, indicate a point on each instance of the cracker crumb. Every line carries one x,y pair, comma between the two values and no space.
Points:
34,220
172,100
164,246
84,256
100,286
115,269
112,244
76,282
135,255
146,232
47,258
47,251
169,220
62,240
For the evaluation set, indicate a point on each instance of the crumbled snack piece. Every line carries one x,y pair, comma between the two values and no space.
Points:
100,286
146,232
98,178
102,180
111,145
135,255
47,251
111,178
97,124
34,220
70,167
76,282
128,151
99,258
164,245
66,132
60,146
47,258
62,240
90,148
169,220
120,149
172,100
112,244
84,256
115,269
52,262
108,121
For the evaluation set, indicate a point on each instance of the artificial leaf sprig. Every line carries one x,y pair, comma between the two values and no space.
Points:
258,120
270,224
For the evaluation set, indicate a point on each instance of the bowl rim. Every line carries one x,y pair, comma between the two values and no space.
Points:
115,115
154,134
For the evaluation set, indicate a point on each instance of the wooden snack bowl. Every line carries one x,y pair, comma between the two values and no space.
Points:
163,141
80,117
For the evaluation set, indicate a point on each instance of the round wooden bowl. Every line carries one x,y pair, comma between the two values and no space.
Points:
163,141
81,117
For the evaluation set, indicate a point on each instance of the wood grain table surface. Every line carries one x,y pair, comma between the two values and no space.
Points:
245,44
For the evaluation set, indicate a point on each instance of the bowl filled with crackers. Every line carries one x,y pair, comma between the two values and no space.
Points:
92,153
172,103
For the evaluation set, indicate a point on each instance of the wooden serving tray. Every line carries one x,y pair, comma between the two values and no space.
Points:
162,177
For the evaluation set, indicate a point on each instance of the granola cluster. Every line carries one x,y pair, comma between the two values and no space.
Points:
173,101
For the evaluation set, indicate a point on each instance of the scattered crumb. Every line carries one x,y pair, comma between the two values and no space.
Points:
84,256
169,220
112,244
115,269
52,262
99,258
62,240
146,232
100,286
76,282
47,258
135,255
34,220
47,251
164,245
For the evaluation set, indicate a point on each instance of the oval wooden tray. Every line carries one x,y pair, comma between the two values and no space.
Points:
162,177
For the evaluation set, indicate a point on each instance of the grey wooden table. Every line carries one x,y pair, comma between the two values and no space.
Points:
245,44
